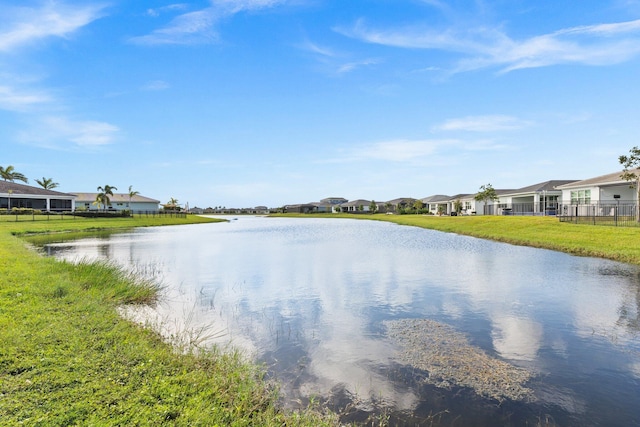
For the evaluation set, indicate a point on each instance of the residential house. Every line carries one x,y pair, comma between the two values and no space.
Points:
13,195
436,204
468,204
119,202
538,199
359,205
399,204
301,208
597,195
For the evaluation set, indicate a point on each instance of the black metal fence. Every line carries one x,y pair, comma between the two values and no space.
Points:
24,214
530,209
617,214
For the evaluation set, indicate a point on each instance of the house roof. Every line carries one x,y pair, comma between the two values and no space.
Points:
357,203
116,198
402,200
540,187
436,198
603,180
22,189
460,196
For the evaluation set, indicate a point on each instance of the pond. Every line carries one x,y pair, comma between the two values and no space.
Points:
399,324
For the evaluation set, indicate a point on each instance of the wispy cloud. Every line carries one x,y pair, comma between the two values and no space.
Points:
416,151
490,123
601,44
351,66
402,150
317,49
53,19
335,61
155,12
156,85
13,99
56,132
199,26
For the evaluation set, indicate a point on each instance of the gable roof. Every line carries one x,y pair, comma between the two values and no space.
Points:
542,186
116,198
601,181
27,190
356,203
405,200
436,198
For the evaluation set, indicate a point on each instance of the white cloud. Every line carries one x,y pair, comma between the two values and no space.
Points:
200,26
155,12
489,123
156,85
402,150
351,66
601,44
317,49
58,132
23,25
15,100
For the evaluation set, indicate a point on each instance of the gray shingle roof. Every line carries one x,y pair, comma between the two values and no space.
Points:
18,189
609,179
542,186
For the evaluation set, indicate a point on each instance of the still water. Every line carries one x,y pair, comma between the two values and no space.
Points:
313,298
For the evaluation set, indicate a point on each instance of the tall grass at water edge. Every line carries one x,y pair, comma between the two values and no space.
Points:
68,358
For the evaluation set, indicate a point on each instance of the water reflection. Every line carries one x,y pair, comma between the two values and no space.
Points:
309,297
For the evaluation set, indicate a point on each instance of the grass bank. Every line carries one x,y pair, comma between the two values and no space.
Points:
615,243
67,358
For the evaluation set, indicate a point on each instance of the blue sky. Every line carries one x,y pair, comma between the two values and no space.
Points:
268,102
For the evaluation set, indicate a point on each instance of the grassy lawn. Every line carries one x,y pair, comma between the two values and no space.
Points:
68,358
616,243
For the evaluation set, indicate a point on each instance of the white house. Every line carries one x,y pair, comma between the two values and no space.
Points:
359,205
537,199
14,195
600,193
119,202
437,203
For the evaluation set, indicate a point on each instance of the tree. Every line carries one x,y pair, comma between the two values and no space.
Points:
102,198
10,174
132,194
373,207
630,173
418,205
172,205
457,206
487,193
47,183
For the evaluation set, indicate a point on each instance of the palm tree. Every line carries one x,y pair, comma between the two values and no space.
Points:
47,183
10,174
172,204
132,194
102,198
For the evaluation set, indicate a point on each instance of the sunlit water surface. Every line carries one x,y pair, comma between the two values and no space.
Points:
308,297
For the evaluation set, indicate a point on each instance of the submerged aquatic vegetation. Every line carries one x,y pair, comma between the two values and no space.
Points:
450,360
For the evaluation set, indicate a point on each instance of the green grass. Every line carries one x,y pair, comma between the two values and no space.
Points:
615,243
67,357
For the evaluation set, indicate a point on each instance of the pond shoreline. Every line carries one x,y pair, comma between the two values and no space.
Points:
607,242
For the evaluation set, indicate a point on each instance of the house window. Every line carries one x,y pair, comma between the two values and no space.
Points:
467,206
581,197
